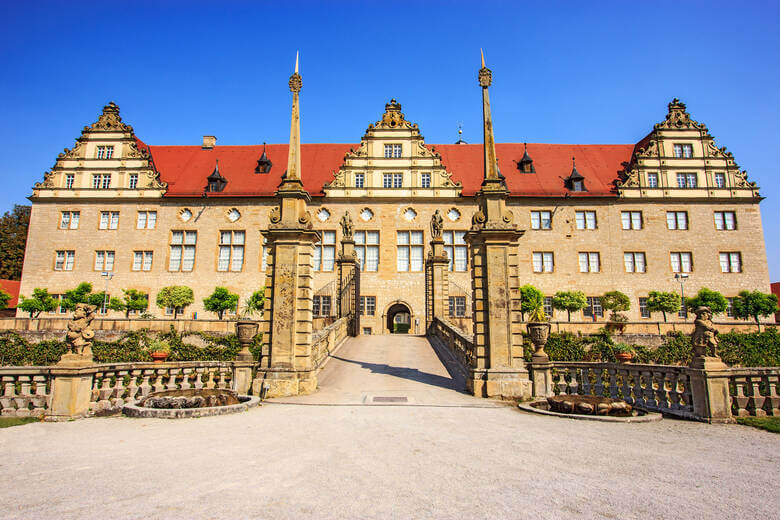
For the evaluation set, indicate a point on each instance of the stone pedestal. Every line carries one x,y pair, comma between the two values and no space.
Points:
436,283
710,390
242,376
71,389
541,376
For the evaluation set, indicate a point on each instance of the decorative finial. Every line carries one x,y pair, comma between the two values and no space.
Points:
295,80
482,55
485,75
296,61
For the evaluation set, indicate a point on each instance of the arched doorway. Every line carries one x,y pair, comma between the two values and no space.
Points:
399,318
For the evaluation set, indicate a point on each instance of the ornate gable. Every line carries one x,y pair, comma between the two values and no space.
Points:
392,160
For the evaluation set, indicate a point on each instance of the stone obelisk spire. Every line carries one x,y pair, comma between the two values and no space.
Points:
294,154
489,148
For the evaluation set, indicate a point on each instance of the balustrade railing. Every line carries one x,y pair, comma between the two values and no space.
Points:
328,339
25,391
755,391
657,388
460,343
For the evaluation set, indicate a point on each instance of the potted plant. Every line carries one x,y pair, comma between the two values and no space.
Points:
246,327
159,350
623,352
539,330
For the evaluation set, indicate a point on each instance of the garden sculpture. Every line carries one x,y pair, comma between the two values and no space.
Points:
704,338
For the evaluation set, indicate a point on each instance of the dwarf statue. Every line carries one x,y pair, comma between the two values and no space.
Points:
79,336
704,338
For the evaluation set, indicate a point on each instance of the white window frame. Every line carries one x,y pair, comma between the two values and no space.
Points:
64,260
586,220
367,305
681,261
652,180
683,150
457,306
409,251
105,152
183,248
230,252
393,150
631,220
635,262
543,261
367,250
324,257
70,219
133,181
541,220
146,220
360,180
142,260
69,180
677,220
644,312
730,262
104,260
725,220
590,262
457,250
425,180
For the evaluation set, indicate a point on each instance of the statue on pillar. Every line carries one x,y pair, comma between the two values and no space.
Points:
437,225
80,335
704,338
346,226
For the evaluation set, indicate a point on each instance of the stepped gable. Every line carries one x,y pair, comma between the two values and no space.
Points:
185,167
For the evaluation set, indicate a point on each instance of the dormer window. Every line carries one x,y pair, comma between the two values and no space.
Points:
216,182
575,181
683,151
105,152
264,164
392,151
526,164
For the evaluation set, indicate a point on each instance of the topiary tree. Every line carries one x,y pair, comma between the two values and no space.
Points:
41,301
221,300
754,305
78,295
616,302
178,297
4,299
569,301
663,302
99,299
134,300
531,300
708,298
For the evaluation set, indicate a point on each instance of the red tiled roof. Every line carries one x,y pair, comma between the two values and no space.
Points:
776,288
185,168
12,288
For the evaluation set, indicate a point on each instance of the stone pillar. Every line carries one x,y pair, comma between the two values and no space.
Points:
347,266
71,390
242,376
541,375
436,283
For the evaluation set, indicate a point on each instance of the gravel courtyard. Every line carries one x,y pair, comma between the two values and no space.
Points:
334,457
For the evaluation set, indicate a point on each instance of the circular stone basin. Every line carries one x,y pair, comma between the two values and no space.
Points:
588,407
178,404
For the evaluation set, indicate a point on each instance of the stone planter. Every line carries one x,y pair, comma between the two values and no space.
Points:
159,357
246,330
539,331
624,357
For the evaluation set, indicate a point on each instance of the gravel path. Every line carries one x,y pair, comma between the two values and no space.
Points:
465,459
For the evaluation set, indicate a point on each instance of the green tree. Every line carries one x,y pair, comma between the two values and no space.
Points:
615,301
178,297
99,299
134,300
531,299
41,301
13,240
4,299
221,300
569,301
663,302
81,294
254,303
754,305
708,298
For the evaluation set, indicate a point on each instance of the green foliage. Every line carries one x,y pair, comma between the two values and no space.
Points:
13,240
4,299
758,349
402,328
41,301
17,351
658,301
254,303
78,295
221,300
531,299
570,301
770,424
7,422
708,298
615,301
676,350
134,300
176,296
754,305
623,348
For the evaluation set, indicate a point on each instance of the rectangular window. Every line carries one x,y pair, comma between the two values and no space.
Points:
367,305
541,220
643,310
146,220
392,150
543,261
366,331
457,251
683,151
387,180
69,220
96,181
409,251
593,308
182,250
231,251
106,183
720,180
725,220
634,262
142,260
169,311
677,219
325,252
367,250
133,181
321,306
590,262
109,220
64,260
359,180
69,178
652,180
731,262
398,180
586,219
425,180
457,306
104,260
681,262
631,219
686,180
264,259
730,307
105,152
548,306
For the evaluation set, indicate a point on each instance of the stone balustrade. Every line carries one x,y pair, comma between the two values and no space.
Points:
754,391
25,391
657,388
326,340
458,342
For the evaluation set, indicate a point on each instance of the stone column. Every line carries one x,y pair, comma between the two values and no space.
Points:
347,266
436,283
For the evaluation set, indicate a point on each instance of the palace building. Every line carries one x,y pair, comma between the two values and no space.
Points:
596,218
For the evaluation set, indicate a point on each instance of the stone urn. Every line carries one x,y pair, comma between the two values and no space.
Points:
624,357
159,356
246,330
539,331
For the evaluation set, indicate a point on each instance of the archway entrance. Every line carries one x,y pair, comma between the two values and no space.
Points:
399,319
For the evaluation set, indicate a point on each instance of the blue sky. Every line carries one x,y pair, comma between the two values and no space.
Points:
563,72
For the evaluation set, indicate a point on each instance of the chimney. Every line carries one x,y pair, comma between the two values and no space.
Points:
209,141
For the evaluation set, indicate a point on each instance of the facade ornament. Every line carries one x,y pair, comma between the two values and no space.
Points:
437,225
346,226
392,118
110,121
704,338
275,216
678,117
80,334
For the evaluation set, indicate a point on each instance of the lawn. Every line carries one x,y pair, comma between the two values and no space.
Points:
7,422
770,424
